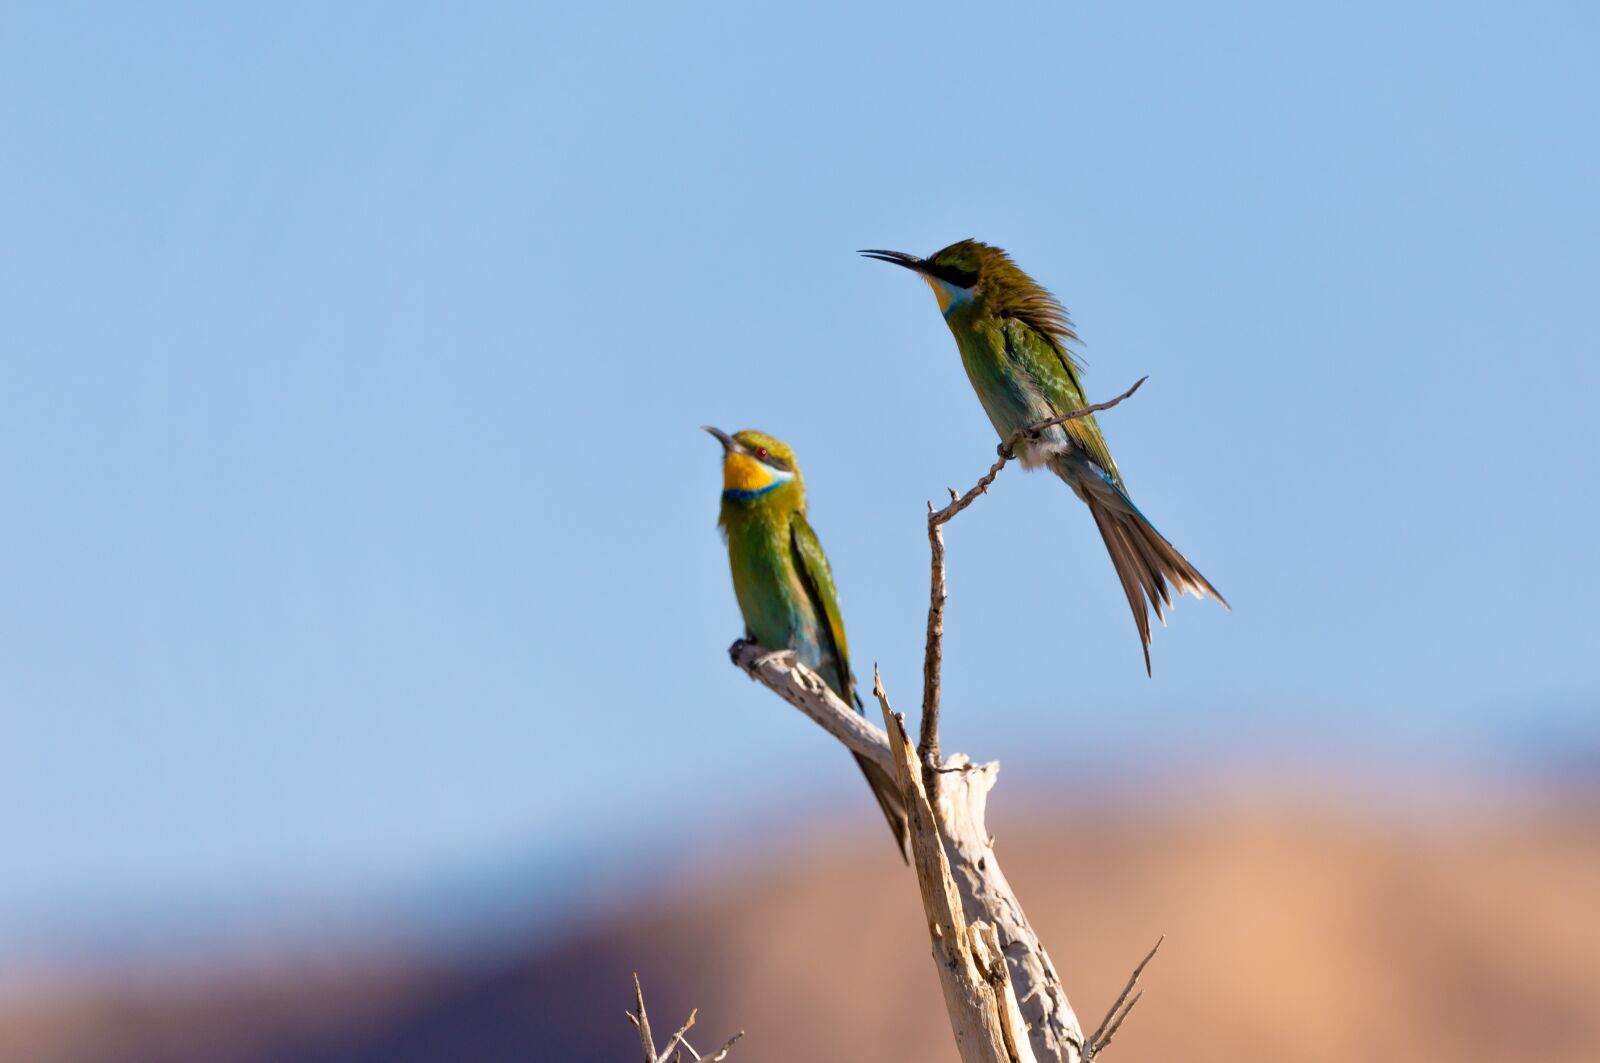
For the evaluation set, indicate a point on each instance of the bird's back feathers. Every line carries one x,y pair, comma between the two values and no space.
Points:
812,565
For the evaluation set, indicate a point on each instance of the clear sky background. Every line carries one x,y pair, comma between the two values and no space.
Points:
358,528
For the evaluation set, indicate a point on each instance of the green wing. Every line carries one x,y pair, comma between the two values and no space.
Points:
1056,374
818,579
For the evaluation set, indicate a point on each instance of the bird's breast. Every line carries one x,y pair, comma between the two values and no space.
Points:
1008,394
772,599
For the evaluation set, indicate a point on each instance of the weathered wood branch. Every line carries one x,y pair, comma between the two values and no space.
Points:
978,1007
986,896
805,690
671,1053
983,946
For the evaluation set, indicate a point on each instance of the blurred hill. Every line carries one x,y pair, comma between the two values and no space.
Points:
1292,936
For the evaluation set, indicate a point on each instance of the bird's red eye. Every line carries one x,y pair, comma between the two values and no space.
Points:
761,452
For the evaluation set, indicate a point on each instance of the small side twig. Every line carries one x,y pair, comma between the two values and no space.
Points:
1120,1008
719,1054
933,653
642,1021
666,1053
669,1053
1008,450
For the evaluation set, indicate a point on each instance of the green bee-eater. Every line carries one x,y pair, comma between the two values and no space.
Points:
1013,337
782,580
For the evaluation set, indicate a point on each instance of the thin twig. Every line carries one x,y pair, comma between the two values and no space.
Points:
642,1021
933,653
1008,450
722,1053
666,1053
1120,1008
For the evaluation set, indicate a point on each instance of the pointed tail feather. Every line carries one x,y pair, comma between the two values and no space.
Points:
1145,562
887,791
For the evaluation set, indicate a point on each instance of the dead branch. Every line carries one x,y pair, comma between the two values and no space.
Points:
1008,450
986,896
933,651
976,1016
805,690
641,1020
1119,1008
974,918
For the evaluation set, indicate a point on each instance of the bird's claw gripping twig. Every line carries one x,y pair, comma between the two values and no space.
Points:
774,657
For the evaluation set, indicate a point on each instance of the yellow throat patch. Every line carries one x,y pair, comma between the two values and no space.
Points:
740,472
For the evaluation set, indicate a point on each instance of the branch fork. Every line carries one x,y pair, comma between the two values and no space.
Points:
1003,995
933,651
671,1053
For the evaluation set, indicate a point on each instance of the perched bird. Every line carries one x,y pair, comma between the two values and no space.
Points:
1013,337
783,583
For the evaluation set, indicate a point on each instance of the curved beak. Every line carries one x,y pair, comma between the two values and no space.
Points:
730,445
899,258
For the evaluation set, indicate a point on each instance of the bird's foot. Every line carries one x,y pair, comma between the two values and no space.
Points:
774,657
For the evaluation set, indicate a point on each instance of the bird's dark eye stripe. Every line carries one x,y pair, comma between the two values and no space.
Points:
961,278
776,462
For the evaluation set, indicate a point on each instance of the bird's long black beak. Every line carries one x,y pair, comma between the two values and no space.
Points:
729,444
899,258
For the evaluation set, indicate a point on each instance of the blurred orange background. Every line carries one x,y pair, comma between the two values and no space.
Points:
1293,933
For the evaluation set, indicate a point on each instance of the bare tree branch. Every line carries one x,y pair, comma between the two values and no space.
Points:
642,1021
719,1054
666,1053
1120,1008
1008,450
969,996
933,652
805,690
986,951
992,961
986,895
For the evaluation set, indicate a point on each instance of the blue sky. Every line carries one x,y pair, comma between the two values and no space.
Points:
359,527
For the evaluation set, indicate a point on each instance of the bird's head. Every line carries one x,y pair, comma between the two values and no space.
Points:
972,277
955,274
757,467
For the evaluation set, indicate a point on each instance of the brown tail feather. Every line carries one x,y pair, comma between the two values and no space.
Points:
1145,562
887,791
1126,565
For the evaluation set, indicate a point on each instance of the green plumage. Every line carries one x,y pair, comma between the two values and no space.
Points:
783,582
1014,341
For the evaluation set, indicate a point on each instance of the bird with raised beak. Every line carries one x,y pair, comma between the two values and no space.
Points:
1014,338
783,583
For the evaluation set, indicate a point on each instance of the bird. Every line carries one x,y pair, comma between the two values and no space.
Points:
1015,341
784,585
